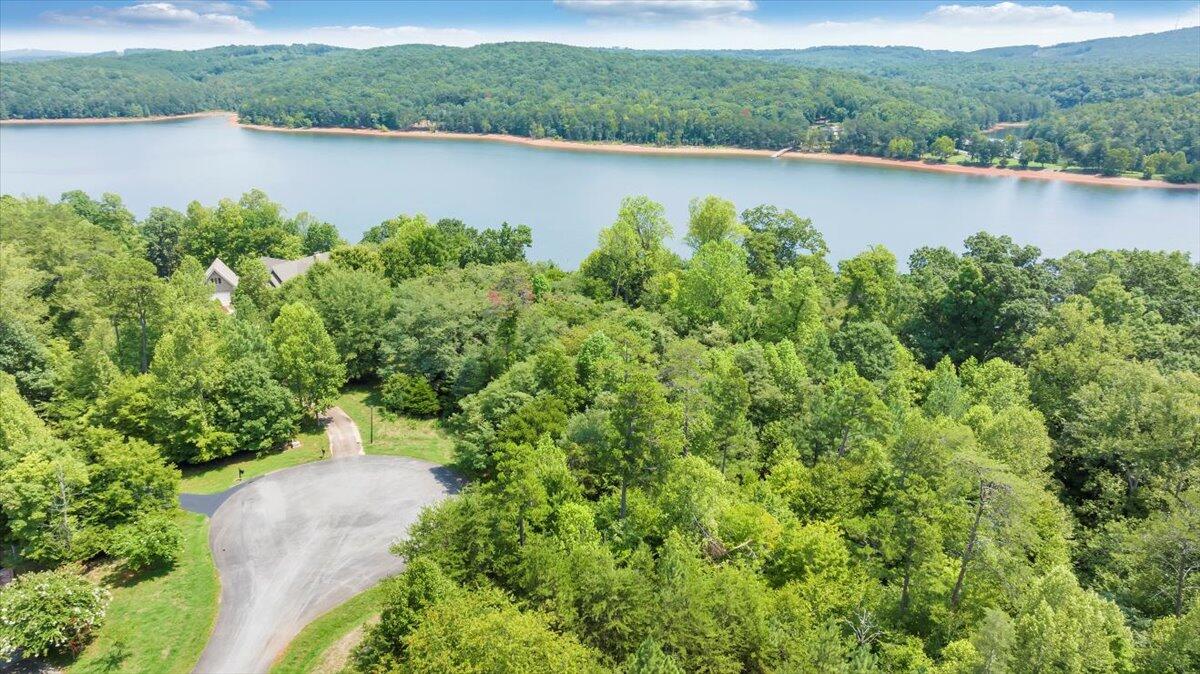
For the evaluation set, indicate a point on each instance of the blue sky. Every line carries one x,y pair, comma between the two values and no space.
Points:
95,25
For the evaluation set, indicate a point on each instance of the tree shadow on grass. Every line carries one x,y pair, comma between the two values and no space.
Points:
192,470
112,660
122,576
116,655
20,665
371,389
200,470
307,425
375,399
59,662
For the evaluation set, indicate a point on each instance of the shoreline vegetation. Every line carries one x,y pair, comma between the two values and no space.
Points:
620,148
70,121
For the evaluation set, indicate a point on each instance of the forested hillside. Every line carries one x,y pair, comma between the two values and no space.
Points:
839,99
545,90
138,82
531,90
756,459
1114,132
1024,82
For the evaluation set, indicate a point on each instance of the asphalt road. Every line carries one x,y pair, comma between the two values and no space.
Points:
298,542
344,439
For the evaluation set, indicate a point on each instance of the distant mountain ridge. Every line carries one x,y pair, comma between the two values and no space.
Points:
1025,81
33,55
1182,44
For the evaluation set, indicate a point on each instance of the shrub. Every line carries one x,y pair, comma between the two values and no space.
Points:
406,598
47,612
483,632
149,541
406,394
1188,173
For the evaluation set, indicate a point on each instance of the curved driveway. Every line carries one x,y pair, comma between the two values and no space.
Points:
298,542
344,439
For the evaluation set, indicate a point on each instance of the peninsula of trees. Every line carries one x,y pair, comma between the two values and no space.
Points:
754,459
1116,105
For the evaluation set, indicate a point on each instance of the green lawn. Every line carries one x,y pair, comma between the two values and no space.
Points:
1013,164
325,643
397,436
963,159
220,475
160,619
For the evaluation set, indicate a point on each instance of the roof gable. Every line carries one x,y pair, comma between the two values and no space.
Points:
222,270
284,270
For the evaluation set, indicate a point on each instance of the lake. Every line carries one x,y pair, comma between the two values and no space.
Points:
567,197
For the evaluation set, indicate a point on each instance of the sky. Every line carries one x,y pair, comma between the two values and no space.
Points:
102,25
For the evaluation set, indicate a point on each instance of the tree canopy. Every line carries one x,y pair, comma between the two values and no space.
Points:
751,459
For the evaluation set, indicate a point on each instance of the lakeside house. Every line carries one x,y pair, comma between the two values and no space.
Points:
224,280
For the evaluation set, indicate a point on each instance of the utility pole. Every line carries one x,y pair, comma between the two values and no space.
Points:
372,440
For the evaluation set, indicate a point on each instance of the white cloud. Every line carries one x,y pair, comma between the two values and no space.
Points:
950,26
205,17
1016,13
658,10
238,7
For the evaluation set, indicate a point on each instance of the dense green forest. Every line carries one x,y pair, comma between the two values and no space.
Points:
525,89
755,459
1023,82
840,99
1091,135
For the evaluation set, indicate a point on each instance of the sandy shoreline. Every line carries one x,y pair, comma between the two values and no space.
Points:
547,143
618,148
1022,174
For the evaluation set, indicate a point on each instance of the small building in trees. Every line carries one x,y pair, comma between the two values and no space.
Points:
224,280
281,271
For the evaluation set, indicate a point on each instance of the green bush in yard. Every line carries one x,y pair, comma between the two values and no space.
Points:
406,394
49,612
151,540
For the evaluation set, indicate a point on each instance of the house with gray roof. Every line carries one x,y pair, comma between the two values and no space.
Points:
224,280
283,270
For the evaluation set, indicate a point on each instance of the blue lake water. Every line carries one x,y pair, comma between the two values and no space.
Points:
566,197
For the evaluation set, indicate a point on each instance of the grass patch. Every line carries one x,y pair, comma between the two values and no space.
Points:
159,619
215,476
1013,164
396,436
309,649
